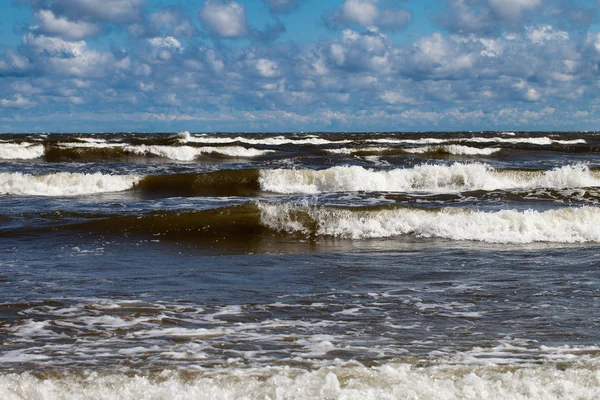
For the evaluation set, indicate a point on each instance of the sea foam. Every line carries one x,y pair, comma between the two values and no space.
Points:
567,225
20,151
455,149
64,183
425,178
189,153
355,381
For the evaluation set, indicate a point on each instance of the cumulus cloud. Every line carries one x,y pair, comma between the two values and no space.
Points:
93,10
170,21
359,78
50,24
486,16
225,18
17,102
367,13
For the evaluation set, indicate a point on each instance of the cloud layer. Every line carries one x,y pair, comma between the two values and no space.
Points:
489,65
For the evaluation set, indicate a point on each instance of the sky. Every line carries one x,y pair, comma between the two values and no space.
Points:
299,65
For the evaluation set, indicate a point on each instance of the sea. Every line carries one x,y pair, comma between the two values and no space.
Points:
429,265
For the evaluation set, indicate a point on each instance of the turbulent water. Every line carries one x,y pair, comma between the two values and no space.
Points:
300,266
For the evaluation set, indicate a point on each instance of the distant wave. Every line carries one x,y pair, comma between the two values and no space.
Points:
454,149
542,141
186,137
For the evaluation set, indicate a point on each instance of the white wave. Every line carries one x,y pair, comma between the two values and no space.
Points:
89,145
189,153
64,184
567,225
423,178
542,141
186,137
91,140
352,381
20,151
454,149
411,141
345,150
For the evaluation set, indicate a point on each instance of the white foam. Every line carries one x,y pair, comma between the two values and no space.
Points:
64,183
455,149
91,144
425,178
189,153
351,381
186,137
542,141
345,150
567,225
411,141
20,151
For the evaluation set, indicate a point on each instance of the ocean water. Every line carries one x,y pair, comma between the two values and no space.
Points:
300,266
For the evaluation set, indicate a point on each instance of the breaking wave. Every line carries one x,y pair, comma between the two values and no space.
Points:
20,151
188,153
64,184
567,225
352,381
540,141
426,178
245,225
186,137
454,149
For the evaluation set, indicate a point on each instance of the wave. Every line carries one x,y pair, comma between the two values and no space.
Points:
188,153
186,137
64,184
20,151
248,224
116,151
541,141
454,149
351,381
567,225
423,178
366,150
214,184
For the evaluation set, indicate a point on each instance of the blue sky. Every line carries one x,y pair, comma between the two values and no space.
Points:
299,65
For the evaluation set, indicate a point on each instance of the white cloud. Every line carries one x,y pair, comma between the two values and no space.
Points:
64,57
224,18
167,42
368,14
104,10
172,21
18,102
60,26
512,10
267,68
545,33
362,12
